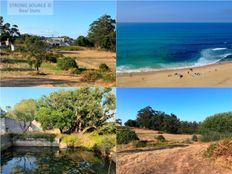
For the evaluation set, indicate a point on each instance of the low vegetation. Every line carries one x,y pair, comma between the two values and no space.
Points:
36,53
67,63
160,138
221,150
126,135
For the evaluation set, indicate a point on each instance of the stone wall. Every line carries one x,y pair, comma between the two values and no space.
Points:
5,141
9,125
36,142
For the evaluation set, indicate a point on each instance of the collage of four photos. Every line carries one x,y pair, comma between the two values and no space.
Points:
116,87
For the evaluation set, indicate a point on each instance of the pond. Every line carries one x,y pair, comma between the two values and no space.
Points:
46,160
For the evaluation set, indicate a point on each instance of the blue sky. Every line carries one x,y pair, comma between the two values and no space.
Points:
192,104
70,18
178,11
11,96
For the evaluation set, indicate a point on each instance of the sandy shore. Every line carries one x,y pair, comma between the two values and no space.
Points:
219,74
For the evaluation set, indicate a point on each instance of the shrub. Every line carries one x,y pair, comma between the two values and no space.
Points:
70,140
104,147
126,135
141,144
218,123
160,138
194,138
83,41
94,75
91,76
51,58
104,68
67,63
109,77
208,136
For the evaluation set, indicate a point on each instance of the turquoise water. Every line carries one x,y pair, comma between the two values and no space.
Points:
149,46
41,160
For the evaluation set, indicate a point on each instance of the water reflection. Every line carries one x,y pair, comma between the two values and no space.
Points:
41,160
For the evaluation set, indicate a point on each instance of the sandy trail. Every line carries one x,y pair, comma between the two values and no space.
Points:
181,160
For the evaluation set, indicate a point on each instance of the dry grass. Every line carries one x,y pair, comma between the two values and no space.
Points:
167,157
15,70
91,59
223,153
146,134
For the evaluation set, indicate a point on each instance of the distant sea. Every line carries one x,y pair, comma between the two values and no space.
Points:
155,46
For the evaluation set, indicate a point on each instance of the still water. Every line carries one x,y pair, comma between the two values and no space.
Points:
41,160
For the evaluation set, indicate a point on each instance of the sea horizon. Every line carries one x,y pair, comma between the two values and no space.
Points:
150,46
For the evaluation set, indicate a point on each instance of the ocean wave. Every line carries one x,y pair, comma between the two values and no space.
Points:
218,49
131,69
213,55
207,57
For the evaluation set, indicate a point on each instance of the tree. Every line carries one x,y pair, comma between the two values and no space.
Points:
131,123
221,122
171,124
7,32
144,117
2,113
83,41
78,110
37,50
24,112
158,120
188,127
119,121
102,33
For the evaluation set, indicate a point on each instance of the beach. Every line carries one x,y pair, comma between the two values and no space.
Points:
219,74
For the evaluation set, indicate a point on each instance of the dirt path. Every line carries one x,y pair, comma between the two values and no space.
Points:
183,160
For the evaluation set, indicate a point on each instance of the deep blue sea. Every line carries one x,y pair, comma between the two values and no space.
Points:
149,46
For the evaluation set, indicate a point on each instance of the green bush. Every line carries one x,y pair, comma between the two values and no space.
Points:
51,58
104,147
141,144
208,136
104,68
194,138
126,135
217,123
83,41
70,140
67,63
94,75
160,138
